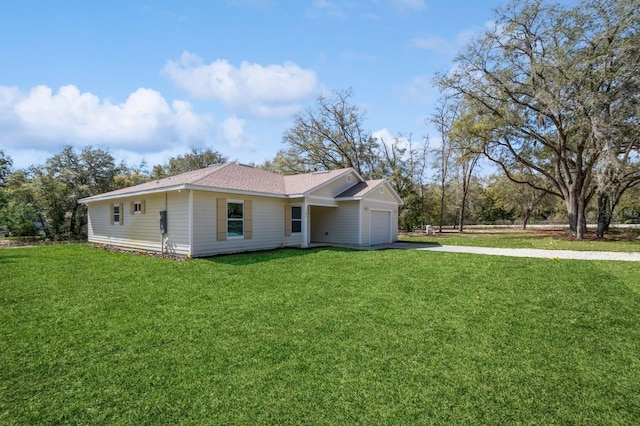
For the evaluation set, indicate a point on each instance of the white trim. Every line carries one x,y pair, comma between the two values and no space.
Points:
113,213
191,222
373,188
131,194
322,201
327,182
235,191
360,210
235,237
178,188
373,200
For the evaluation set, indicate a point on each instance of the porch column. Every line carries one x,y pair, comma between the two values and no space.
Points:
190,222
305,224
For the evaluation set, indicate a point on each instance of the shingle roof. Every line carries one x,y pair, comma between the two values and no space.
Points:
235,177
243,178
360,189
299,184
164,183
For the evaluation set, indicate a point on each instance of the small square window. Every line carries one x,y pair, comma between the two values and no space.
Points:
137,206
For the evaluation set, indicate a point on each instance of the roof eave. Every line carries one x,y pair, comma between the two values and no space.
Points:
234,191
357,198
108,196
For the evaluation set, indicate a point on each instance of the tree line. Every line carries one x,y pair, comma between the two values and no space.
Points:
550,95
43,199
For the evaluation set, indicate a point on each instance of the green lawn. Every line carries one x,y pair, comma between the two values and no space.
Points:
625,240
324,336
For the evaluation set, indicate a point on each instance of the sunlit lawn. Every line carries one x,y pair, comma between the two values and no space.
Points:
322,336
625,240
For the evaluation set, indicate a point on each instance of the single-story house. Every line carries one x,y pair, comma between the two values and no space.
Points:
232,207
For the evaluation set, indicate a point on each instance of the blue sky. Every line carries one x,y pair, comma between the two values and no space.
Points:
149,79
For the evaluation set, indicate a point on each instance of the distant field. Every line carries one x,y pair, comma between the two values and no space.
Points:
623,239
319,336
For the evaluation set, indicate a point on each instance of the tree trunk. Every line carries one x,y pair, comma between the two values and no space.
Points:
441,210
525,219
72,221
576,214
602,215
581,228
45,226
462,209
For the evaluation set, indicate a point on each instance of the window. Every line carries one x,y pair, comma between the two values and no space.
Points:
235,219
116,213
137,207
296,219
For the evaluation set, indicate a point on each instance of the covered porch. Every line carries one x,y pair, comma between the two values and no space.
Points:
327,224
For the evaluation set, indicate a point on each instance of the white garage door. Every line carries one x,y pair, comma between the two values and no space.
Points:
380,227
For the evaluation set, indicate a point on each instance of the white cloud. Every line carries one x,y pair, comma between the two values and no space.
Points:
42,120
233,133
268,91
383,135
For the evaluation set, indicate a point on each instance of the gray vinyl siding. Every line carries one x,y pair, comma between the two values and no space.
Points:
178,223
141,231
337,225
336,187
375,200
268,226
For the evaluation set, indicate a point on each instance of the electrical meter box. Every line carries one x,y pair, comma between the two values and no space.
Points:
163,221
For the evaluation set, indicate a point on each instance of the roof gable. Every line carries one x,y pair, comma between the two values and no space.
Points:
362,189
305,183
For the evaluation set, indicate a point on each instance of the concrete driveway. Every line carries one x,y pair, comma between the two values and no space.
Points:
548,254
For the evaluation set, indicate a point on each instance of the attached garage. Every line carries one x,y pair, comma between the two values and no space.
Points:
380,227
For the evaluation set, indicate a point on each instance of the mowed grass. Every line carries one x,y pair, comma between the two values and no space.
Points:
324,336
618,240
